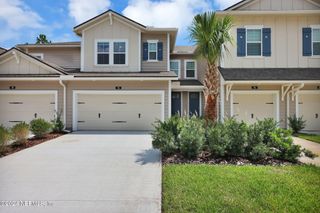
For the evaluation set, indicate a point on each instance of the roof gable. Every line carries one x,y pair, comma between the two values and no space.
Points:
275,5
17,62
103,16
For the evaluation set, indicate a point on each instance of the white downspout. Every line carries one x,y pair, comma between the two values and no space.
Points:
64,103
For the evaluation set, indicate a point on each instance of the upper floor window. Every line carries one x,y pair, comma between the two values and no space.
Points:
111,52
175,67
152,50
254,42
316,41
119,53
190,69
37,55
103,52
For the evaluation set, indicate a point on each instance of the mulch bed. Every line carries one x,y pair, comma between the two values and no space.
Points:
14,147
206,158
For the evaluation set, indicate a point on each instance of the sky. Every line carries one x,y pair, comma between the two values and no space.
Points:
21,21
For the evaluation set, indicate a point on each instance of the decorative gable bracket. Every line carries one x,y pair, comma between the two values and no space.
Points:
228,91
284,90
295,89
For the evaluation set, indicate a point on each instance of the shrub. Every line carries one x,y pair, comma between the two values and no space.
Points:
296,124
192,137
165,135
20,132
284,148
4,137
57,124
217,139
39,127
309,154
237,137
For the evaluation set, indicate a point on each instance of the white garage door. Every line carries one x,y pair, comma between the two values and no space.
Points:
309,108
254,106
118,112
17,107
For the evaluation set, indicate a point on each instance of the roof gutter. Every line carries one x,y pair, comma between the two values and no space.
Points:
73,78
268,12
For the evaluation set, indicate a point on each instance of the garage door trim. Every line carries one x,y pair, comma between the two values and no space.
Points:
301,92
112,92
273,92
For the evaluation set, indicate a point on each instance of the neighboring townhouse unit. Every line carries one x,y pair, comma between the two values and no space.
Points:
116,78
273,70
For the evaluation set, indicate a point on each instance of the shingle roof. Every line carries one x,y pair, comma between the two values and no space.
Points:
274,74
125,74
189,83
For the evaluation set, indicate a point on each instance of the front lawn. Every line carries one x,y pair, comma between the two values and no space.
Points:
310,137
207,188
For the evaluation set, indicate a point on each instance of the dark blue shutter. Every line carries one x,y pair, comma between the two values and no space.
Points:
266,35
306,40
160,51
241,42
145,51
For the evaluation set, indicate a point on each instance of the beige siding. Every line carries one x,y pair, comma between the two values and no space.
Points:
25,66
201,66
117,30
68,57
286,42
108,85
158,65
280,5
36,85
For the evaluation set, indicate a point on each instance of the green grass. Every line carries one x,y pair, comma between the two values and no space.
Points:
310,137
205,188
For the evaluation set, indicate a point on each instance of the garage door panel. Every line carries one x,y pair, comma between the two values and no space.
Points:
309,108
118,112
15,108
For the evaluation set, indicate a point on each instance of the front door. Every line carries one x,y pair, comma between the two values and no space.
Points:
194,103
176,103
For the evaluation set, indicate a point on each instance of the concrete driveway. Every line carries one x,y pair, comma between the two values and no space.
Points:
83,172
312,146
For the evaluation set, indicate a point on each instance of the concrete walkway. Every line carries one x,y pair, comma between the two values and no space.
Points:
83,172
314,147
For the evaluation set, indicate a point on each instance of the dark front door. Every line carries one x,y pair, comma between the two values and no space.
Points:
176,103
194,103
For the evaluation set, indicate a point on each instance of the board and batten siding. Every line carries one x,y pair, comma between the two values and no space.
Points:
286,42
279,5
155,66
110,85
68,57
115,30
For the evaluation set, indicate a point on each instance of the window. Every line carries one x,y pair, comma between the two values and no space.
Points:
190,69
175,67
119,53
152,50
316,41
103,52
37,55
254,42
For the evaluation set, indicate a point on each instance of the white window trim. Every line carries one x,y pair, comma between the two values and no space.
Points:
179,66
195,69
111,52
153,42
312,28
37,54
254,27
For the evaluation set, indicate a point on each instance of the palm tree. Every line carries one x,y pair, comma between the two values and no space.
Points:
211,36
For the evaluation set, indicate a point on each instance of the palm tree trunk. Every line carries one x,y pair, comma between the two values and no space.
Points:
211,92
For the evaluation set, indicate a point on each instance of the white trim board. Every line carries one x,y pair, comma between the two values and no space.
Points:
195,69
114,92
274,92
34,92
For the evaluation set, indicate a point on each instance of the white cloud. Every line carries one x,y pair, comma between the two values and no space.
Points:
168,13
223,4
82,10
18,15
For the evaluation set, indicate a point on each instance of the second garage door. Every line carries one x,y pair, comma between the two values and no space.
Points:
309,108
118,111
254,106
